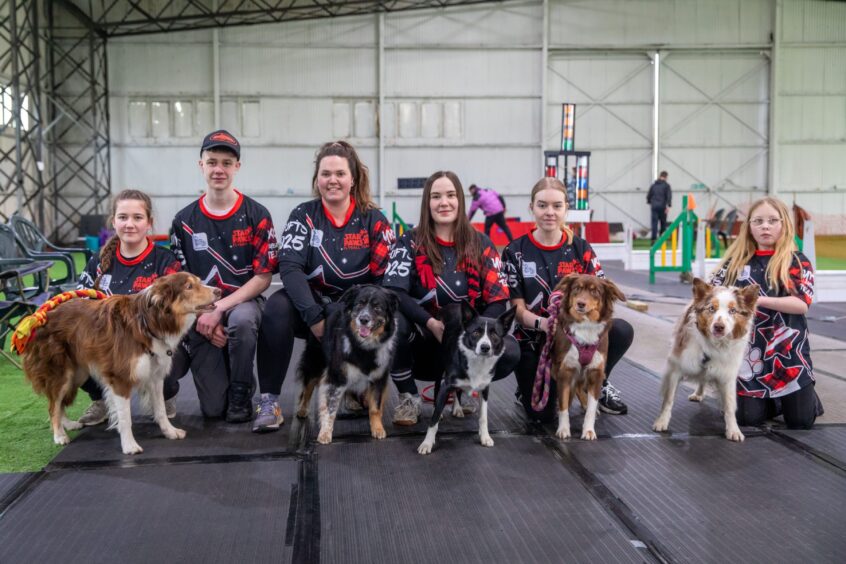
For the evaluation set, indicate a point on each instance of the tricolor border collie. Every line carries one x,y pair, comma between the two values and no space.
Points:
472,345
354,355
709,344
580,346
125,342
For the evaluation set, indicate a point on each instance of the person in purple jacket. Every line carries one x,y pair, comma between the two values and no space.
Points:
492,205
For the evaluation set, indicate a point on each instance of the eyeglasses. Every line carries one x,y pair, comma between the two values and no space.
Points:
759,221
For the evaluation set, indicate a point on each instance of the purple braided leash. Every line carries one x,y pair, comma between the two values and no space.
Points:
540,391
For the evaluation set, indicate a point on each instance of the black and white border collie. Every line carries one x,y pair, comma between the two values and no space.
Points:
472,345
355,355
709,343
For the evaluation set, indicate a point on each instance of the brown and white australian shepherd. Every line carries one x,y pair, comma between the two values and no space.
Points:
125,342
708,346
581,346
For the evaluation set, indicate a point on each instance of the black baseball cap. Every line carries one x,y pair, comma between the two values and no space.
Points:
221,139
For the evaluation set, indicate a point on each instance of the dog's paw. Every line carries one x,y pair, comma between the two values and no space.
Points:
325,437
61,439
425,447
132,448
486,440
588,435
563,433
174,434
734,435
302,413
661,424
694,397
378,433
72,425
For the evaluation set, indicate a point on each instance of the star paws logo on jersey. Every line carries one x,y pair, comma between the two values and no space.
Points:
142,282
354,241
242,237
565,268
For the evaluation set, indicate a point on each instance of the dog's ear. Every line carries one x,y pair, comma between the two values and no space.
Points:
468,314
749,295
564,286
700,289
612,292
507,319
348,297
392,299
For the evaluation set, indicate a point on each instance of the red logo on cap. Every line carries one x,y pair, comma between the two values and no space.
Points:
223,137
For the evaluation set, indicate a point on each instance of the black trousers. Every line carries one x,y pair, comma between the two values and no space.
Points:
499,219
799,409
659,219
419,356
620,339
281,323
171,383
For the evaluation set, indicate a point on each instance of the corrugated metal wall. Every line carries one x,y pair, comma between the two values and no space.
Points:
463,91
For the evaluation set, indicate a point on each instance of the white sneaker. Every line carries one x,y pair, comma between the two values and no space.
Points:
95,414
170,408
408,410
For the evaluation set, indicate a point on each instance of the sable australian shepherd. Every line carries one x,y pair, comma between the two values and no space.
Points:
708,346
472,346
125,342
580,346
354,355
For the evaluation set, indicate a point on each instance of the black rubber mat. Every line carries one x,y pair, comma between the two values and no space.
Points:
383,502
829,440
9,483
224,513
711,500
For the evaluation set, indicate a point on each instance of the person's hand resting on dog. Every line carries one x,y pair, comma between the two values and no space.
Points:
437,328
209,326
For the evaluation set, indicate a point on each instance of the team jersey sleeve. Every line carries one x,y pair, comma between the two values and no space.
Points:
381,241
265,259
89,275
718,277
513,273
492,275
293,255
801,279
586,255
402,268
176,244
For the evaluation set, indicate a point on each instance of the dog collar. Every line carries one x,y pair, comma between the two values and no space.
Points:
586,352
168,352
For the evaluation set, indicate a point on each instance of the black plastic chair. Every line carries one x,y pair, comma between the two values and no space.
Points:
726,230
35,245
17,298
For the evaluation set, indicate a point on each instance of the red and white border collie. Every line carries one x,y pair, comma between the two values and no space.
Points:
125,342
709,344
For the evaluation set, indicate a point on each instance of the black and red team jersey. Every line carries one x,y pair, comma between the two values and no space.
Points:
778,360
331,256
130,276
533,270
410,271
226,250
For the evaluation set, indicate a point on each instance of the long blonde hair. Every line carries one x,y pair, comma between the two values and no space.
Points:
743,249
549,183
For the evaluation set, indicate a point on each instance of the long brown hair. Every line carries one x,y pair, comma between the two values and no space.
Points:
109,250
466,238
743,249
360,190
550,183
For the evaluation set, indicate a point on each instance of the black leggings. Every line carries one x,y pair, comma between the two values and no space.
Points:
281,323
799,409
619,340
419,356
499,219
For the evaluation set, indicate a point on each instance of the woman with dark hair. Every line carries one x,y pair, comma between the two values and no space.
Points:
441,261
329,244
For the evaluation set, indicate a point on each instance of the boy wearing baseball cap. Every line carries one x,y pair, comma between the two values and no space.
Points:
228,240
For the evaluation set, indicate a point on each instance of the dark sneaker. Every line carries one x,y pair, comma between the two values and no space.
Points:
268,415
95,414
353,405
610,402
240,409
408,411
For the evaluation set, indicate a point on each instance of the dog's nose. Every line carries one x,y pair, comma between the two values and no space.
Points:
581,305
485,348
719,327
216,292
364,319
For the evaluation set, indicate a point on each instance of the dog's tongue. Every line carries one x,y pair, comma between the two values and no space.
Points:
364,331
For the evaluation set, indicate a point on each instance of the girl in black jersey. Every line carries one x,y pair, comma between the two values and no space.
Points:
534,263
777,376
442,261
329,244
127,263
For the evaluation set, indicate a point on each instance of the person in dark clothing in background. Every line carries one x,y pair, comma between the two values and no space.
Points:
660,200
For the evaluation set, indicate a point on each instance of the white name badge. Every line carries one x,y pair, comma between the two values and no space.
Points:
105,282
316,237
529,269
747,272
200,241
